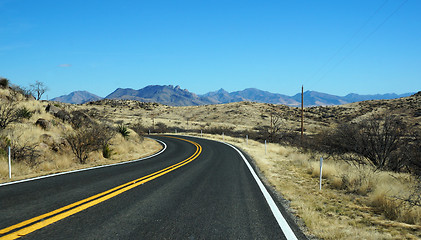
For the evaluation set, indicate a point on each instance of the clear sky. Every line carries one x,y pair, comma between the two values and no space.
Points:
336,46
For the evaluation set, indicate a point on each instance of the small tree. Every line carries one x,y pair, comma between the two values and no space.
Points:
378,141
275,126
38,89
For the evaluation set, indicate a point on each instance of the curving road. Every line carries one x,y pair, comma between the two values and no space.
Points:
195,189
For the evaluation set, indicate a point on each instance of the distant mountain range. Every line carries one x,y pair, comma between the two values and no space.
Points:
77,97
175,96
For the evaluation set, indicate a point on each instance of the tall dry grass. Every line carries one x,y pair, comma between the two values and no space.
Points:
61,158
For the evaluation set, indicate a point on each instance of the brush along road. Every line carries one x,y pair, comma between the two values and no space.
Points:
195,189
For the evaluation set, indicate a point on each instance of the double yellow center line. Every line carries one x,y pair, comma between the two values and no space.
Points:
36,223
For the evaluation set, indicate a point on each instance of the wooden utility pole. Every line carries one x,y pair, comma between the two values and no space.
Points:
153,120
302,112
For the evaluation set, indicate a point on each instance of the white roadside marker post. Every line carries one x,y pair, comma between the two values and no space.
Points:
200,133
265,148
247,139
223,137
321,173
10,164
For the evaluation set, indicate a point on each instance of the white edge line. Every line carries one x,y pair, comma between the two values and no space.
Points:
286,229
283,224
85,169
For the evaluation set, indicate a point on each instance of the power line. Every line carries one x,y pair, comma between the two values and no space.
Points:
362,41
349,39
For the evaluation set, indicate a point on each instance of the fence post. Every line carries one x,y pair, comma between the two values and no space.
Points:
321,173
10,164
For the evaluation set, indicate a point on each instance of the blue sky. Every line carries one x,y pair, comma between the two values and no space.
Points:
336,47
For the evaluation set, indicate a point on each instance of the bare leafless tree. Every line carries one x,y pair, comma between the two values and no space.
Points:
38,89
275,126
9,113
88,139
378,140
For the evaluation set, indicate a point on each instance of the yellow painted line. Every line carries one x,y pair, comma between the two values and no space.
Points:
5,230
87,203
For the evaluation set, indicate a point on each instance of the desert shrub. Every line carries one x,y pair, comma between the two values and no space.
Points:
24,113
18,90
123,130
24,153
219,130
66,117
412,152
402,207
362,182
414,198
106,151
139,129
88,139
377,141
4,83
161,128
10,113
390,207
21,151
80,119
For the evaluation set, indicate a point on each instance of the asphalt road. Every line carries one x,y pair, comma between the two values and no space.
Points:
193,190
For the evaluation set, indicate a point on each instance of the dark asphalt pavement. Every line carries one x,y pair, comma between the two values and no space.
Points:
212,197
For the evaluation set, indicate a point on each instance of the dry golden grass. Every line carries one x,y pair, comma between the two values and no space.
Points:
61,159
361,211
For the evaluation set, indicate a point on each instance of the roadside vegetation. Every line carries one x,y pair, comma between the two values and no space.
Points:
47,137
